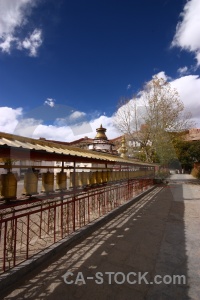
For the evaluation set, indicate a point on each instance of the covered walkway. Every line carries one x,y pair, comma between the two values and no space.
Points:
158,235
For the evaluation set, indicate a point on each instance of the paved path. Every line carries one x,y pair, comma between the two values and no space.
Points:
159,235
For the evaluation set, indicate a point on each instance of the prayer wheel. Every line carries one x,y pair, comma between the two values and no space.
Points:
117,175
84,176
48,182
87,177
61,181
79,179
99,177
104,176
113,175
30,183
93,179
71,178
8,186
108,175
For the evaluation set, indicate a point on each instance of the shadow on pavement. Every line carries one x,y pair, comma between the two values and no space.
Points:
148,238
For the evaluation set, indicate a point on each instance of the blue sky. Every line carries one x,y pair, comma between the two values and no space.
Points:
75,59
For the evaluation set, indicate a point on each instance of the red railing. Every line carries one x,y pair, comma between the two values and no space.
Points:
29,227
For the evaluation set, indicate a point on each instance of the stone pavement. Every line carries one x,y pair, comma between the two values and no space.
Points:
159,235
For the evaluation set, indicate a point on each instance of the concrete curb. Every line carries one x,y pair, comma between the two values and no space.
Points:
12,276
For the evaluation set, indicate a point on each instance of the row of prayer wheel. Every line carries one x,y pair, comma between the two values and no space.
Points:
8,188
99,177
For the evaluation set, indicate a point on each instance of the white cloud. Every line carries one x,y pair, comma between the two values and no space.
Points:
31,43
128,86
187,32
161,75
63,133
72,118
14,121
26,127
71,133
188,88
9,118
7,42
77,115
50,102
14,16
183,70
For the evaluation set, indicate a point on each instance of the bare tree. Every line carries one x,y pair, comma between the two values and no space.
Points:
163,108
128,119
161,115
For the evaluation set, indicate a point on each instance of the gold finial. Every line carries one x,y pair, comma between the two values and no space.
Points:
101,133
123,149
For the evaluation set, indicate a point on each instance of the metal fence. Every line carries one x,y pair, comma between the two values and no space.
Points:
31,226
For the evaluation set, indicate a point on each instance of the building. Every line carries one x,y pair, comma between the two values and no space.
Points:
100,143
192,135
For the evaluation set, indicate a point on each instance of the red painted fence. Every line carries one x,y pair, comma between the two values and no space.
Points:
27,227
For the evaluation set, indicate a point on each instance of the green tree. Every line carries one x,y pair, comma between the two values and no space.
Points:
188,153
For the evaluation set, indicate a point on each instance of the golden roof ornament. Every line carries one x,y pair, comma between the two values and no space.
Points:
101,133
123,149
